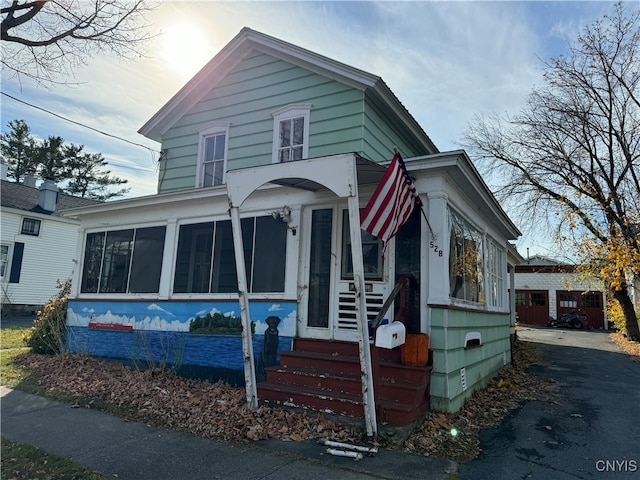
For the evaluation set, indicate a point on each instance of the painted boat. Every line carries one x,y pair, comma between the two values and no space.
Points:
110,326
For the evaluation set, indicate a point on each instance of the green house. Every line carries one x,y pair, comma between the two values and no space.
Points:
268,154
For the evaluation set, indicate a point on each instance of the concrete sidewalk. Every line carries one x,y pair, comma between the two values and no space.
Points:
130,450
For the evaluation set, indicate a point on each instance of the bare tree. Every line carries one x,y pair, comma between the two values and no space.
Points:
573,152
45,38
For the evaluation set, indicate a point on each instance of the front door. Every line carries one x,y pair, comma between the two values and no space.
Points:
329,299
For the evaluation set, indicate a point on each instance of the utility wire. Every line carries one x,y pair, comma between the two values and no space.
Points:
81,124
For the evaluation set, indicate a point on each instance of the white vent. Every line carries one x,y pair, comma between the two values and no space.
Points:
347,308
504,358
463,378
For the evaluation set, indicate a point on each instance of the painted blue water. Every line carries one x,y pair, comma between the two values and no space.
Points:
167,348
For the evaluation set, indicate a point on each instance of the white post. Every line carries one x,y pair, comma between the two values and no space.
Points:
247,344
368,398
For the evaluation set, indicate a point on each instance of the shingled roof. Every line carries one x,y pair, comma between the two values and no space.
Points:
22,197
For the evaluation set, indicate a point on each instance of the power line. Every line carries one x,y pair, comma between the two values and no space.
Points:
81,124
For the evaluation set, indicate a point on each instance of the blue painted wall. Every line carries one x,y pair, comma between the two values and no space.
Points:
159,334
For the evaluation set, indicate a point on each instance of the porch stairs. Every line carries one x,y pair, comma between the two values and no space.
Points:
325,376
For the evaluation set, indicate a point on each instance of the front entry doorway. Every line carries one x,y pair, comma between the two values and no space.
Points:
329,300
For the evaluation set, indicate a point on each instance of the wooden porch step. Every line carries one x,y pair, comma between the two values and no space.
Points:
325,375
339,403
347,365
320,362
400,414
296,396
351,384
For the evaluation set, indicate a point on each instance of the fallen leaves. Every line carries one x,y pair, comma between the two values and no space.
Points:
631,348
486,408
213,410
218,410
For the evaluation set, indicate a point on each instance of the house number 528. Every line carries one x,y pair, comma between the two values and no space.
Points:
435,248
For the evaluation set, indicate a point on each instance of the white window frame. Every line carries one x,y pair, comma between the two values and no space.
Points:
4,276
495,274
289,112
210,130
31,219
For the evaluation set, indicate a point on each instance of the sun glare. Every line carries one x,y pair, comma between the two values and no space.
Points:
184,48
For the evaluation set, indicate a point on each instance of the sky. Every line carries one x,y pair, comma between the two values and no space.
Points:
446,61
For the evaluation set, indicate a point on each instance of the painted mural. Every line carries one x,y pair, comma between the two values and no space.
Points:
205,335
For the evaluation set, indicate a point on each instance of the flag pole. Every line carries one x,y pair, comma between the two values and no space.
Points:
406,172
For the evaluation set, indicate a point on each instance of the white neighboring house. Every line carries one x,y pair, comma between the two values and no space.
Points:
37,244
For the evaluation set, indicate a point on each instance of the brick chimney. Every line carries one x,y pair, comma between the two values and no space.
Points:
48,195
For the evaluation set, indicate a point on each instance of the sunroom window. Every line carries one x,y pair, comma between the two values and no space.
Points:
291,133
495,274
123,261
466,273
205,260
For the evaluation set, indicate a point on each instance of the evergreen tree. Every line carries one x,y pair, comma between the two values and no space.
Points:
79,173
50,158
17,147
87,176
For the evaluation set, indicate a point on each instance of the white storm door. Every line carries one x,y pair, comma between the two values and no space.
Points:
345,326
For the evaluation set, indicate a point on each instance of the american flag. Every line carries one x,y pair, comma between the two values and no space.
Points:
391,203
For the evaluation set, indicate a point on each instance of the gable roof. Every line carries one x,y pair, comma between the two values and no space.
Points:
22,197
238,49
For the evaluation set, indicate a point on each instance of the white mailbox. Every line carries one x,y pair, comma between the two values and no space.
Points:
391,335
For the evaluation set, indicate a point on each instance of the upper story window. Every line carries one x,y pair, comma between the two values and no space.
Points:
212,155
30,226
291,133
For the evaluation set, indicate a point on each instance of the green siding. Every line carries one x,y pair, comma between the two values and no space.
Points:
448,330
342,120
382,134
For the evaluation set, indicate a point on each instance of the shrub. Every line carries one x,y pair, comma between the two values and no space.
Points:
47,334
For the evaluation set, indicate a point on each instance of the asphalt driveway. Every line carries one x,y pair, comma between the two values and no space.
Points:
589,430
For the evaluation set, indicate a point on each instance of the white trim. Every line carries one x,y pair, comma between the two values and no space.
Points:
209,130
289,112
5,278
